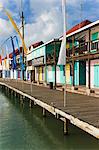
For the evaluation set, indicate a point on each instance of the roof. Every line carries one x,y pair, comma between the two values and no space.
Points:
72,30
78,26
16,52
36,44
82,29
52,40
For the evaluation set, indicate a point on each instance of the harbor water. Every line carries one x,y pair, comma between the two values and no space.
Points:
22,128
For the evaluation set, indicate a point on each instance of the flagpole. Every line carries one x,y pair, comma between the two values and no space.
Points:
64,38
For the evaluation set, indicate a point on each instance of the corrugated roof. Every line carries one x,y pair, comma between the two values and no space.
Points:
82,29
78,26
36,44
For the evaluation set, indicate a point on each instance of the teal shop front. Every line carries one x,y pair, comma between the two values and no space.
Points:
80,73
60,78
96,75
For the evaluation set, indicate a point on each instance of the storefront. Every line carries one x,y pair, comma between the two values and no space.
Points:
39,69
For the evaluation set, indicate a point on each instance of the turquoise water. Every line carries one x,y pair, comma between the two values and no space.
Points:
22,128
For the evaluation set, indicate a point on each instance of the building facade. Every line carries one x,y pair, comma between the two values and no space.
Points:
82,55
82,64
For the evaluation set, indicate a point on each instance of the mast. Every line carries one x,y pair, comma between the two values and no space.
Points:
64,40
22,19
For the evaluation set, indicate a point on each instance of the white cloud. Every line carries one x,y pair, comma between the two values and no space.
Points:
5,28
46,18
46,27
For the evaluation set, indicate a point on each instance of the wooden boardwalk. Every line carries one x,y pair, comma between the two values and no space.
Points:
84,110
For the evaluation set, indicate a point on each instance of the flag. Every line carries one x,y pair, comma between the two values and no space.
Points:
0,60
7,61
14,60
13,55
21,62
18,44
22,66
62,54
17,30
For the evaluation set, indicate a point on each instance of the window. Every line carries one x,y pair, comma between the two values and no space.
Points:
94,46
71,69
94,36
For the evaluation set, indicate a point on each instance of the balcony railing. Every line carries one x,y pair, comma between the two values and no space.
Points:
83,49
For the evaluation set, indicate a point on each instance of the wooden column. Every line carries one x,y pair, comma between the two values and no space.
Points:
44,112
89,59
66,126
45,69
30,103
57,116
73,52
21,99
15,94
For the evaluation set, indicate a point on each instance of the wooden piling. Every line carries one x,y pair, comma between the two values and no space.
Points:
15,94
65,126
44,112
21,99
30,103
57,116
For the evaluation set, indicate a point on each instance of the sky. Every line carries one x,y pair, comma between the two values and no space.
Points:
43,18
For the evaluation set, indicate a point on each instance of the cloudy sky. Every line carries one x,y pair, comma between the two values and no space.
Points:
43,18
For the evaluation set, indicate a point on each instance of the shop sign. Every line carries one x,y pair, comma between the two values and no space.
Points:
38,61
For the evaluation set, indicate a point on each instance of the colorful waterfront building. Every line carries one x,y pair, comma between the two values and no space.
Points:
82,55
15,64
43,62
33,53
5,67
82,66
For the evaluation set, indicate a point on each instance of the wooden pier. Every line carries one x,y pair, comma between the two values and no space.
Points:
81,110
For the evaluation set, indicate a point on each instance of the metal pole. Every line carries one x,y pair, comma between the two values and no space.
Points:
55,62
22,17
13,54
22,47
89,61
64,38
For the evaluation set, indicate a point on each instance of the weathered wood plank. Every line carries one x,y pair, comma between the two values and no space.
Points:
81,110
